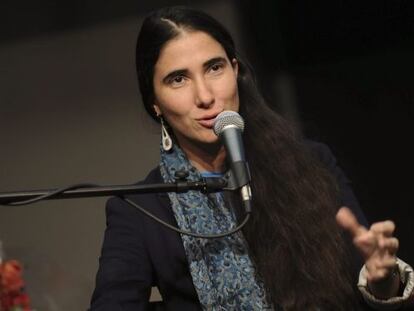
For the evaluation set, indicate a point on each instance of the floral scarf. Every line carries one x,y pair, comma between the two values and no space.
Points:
222,272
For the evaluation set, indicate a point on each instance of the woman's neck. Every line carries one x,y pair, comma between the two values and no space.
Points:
210,158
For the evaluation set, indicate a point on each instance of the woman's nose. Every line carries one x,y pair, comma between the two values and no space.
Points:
204,93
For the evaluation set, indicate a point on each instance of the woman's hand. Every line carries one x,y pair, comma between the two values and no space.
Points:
378,247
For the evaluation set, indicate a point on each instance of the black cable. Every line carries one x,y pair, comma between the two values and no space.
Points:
50,194
145,212
196,235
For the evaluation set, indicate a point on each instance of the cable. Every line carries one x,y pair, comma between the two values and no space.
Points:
50,194
196,235
53,193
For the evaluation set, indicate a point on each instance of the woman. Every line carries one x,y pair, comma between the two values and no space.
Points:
292,255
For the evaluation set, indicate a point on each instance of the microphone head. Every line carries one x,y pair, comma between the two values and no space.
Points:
227,118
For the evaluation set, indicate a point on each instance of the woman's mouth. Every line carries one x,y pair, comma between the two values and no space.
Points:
207,122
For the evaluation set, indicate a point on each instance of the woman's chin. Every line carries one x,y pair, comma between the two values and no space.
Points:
212,140
209,142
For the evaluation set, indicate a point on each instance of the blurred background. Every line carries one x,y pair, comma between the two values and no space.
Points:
70,112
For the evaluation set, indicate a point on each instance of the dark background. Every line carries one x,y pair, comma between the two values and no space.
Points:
352,66
70,112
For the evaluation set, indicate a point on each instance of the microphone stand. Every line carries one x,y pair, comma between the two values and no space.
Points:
205,185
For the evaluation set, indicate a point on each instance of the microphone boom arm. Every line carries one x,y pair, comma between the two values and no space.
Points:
90,190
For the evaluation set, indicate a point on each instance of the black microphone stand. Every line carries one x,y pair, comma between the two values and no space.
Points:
205,185
89,190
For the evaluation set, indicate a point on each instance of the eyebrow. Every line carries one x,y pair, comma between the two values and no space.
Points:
180,72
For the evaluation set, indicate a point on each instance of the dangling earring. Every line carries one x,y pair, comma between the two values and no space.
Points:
165,137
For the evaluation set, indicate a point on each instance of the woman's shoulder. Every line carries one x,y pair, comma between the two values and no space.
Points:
347,197
114,203
321,151
325,155
154,176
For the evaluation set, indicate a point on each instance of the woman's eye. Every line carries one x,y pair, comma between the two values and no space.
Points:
177,81
216,67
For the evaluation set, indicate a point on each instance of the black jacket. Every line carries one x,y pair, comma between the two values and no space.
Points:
138,253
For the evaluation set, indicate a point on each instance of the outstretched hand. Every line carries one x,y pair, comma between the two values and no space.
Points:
378,248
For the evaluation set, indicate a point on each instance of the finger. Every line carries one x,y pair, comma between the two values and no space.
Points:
384,227
390,245
381,270
347,220
378,275
388,263
366,243
380,263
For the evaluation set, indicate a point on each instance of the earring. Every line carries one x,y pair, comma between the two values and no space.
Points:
165,137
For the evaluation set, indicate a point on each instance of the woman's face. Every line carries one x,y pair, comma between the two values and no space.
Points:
193,82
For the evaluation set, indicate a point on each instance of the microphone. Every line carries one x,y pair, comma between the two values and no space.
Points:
229,126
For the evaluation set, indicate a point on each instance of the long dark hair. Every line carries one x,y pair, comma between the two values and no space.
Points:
297,248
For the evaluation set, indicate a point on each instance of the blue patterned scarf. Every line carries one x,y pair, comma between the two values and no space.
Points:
222,272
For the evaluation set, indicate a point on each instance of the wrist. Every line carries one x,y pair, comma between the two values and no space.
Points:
387,287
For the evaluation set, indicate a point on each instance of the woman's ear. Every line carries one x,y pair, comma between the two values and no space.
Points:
235,65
